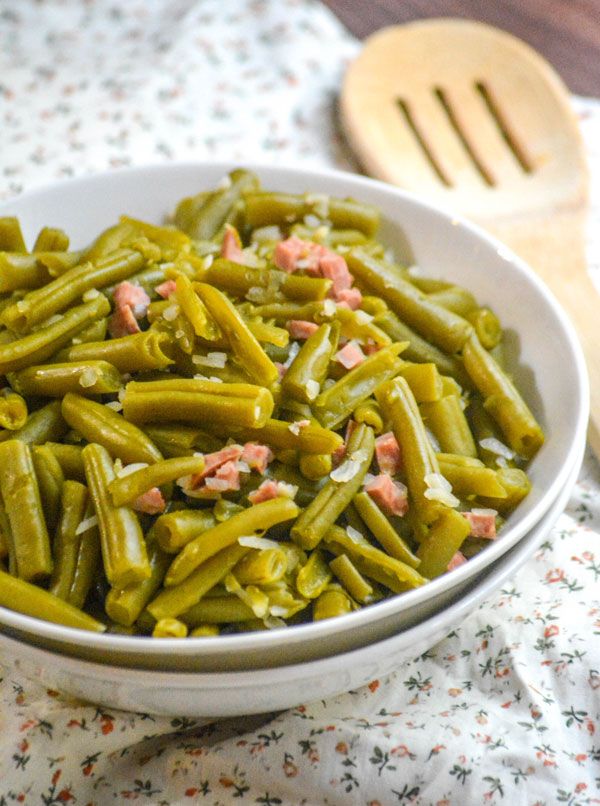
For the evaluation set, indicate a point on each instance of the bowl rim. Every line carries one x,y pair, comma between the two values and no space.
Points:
477,592
318,630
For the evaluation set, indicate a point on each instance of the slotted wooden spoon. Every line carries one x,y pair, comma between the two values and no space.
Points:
473,118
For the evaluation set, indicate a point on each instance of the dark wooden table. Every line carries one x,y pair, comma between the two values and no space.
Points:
566,32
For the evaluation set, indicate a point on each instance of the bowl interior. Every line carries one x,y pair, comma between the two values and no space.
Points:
546,362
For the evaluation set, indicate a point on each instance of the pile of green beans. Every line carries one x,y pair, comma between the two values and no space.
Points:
216,469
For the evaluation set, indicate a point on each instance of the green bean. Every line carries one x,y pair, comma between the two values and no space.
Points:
308,370
196,401
171,240
195,310
238,280
315,465
29,541
169,628
203,220
58,262
125,605
16,594
94,332
334,497
13,410
123,548
57,295
516,486
259,517
261,567
351,579
69,458
43,343
358,325
314,576
41,426
87,562
282,312
442,327
424,380
470,478
443,541
181,440
125,489
217,610
244,346
21,271
51,479
400,409
269,334
487,327
335,404
368,412
456,299
55,380
11,237
383,531
418,348
266,208
502,400
172,602
74,502
373,562
51,239
176,529
282,435
332,603
97,423
137,353
449,425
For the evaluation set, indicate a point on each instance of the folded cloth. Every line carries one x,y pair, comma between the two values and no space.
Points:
504,709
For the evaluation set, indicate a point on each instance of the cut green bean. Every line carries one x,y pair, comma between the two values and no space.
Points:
123,548
334,497
29,541
19,595
55,380
125,489
100,424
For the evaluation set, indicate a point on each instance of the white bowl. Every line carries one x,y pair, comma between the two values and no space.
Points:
546,361
225,694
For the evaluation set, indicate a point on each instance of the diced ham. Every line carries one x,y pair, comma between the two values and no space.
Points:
349,298
226,477
387,451
150,502
370,347
257,456
294,253
333,267
350,355
123,323
281,368
127,295
213,461
231,247
267,490
457,560
337,457
165,289
390,495
483,522
300,329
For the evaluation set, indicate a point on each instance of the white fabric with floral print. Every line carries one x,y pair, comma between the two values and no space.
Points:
506,708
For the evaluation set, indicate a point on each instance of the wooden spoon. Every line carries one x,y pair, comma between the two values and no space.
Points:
474,119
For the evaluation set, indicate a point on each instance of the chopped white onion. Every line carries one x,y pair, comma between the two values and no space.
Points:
254,542
132,468
495,446
87,524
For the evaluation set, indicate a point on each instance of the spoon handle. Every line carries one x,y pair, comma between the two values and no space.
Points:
554,246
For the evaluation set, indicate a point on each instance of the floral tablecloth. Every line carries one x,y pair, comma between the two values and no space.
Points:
507,708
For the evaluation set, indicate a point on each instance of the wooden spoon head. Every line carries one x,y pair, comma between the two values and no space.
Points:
467,115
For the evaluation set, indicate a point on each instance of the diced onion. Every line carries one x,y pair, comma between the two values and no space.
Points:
87,524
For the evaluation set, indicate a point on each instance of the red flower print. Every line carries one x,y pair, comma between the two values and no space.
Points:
65,796
373,685
549,632
189,793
